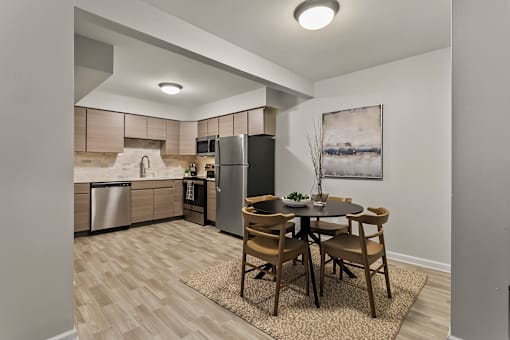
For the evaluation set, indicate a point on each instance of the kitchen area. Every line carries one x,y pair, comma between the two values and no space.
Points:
133,170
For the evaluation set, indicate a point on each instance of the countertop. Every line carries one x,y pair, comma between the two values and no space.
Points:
136,179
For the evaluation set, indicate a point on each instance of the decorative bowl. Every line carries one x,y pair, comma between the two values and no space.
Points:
295,204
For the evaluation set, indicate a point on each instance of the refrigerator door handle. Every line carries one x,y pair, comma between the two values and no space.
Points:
218,166
218,177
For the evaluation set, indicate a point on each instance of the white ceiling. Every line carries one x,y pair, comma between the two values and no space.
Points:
365,33
139,68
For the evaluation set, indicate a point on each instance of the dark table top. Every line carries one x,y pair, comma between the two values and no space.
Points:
332,209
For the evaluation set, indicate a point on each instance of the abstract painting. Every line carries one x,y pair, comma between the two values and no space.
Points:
352,143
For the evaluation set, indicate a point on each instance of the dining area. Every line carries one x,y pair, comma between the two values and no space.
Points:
310,271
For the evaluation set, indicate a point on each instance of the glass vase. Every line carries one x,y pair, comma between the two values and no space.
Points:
318,194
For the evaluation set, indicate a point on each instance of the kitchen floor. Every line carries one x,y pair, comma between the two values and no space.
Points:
127,287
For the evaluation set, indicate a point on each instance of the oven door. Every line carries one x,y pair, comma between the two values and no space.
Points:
197,200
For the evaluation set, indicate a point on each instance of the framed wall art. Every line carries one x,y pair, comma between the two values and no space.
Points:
352,143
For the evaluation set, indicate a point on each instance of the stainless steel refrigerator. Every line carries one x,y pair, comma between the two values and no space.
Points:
244,168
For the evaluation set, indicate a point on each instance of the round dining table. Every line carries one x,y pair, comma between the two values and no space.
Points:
332,209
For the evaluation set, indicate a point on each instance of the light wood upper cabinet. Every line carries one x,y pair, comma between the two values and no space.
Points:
241,123
171,145
156,128
202,128
80,129
105,131
187,138
145,127
135,126
226,126
262,122
213,126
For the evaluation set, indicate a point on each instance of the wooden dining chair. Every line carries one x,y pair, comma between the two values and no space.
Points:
360,251
290,227
321,227
260,242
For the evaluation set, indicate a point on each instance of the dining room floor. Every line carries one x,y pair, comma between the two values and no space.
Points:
126,286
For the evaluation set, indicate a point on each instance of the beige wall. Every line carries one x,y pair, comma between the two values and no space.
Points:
415,93
36,172
96,167
481,167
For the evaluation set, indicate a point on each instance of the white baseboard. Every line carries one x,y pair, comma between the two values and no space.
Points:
451,337
443,267
69,335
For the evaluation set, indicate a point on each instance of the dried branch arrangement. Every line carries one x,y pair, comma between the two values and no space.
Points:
316,154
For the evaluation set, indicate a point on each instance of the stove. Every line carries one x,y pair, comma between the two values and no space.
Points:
194,191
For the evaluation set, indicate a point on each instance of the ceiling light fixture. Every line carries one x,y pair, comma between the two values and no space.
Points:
170,88
316,14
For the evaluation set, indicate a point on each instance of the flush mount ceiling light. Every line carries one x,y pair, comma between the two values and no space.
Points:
170,88
316,14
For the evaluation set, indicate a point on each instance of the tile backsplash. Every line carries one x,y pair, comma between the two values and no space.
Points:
91,166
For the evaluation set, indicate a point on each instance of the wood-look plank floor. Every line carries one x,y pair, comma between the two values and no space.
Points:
127,287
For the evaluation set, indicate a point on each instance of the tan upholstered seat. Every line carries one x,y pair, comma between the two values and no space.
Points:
260,241
348,246
360,250
290,227
267,249
322,227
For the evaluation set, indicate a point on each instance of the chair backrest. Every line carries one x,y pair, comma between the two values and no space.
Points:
379,217
255,199
340,199
258,225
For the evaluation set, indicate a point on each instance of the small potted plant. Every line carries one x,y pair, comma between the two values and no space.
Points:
319,197
186,172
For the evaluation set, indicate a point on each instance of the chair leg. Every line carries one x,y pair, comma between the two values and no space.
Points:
323,264
294,262
277,289
243,273
369,289
334,265
341,274
307,272
387,275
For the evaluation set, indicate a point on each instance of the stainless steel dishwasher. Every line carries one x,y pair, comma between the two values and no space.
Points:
110,205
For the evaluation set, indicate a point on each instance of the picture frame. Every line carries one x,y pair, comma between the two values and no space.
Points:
353,143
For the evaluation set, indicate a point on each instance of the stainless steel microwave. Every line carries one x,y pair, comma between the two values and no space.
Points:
206,146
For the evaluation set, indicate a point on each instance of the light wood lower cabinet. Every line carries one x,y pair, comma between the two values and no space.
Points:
211,201
163,203
81,207
155,199
178,198
142,205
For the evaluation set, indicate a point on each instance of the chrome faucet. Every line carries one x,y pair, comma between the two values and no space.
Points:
143,170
